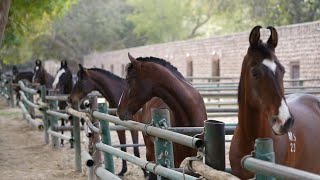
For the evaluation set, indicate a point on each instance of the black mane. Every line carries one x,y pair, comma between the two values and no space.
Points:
162,62
106,73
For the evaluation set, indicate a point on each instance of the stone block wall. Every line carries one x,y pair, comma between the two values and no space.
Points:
298,44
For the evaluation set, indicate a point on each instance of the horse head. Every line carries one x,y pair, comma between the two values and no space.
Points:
38,71
261,82
83,86
138,88
63,77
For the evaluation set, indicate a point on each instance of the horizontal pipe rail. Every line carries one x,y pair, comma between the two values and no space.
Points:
105,174
153,131
157,169
214,110
275,170
127,145
64,128
25,99
222,115
28,90
87,158
34,122
59,135
57,98
58,114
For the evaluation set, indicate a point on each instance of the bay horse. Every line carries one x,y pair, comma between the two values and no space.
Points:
63,83
111,87
41,75
292,121
17,76
155,83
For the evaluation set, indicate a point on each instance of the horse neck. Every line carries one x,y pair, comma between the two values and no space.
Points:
110,88
252,123
47,80
185,102
68,84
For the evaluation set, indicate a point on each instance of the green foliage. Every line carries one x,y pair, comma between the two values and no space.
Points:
27,20
89,27
65,29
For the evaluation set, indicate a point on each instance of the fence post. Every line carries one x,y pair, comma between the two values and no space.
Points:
163,148
214,140
12,104
264,151
77,142
106,139
45,115
53,123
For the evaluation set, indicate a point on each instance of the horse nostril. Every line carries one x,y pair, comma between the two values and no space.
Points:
288,123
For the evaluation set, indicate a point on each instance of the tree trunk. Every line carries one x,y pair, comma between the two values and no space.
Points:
4,11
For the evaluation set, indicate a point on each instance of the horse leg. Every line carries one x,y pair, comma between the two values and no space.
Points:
62,124
122,139
135,140
149,153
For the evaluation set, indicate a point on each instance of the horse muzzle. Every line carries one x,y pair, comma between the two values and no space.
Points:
124,115
281,128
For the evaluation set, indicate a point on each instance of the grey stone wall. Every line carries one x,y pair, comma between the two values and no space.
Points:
299,43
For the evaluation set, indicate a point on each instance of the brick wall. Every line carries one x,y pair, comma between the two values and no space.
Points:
299,43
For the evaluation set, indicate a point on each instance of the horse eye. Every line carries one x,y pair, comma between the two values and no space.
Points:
255,73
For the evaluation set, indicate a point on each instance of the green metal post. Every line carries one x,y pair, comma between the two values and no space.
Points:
214,139
45,115
106,139
264,151
53,123
77,142
163,148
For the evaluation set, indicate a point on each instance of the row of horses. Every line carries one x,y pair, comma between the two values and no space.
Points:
292,121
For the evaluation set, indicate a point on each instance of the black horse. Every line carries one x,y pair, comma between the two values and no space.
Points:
17,76
63,83
41,75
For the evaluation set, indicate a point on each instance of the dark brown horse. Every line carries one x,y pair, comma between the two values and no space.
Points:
17,76
148,80
264,112
41,75
111,87
63,83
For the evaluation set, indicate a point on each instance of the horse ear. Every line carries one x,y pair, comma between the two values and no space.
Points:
254,37
82,72
133,60
64,63
273,39
38,62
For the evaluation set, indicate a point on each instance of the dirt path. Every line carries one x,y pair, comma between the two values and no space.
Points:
23,154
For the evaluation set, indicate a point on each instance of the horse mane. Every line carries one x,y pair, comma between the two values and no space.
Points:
162,62
106,73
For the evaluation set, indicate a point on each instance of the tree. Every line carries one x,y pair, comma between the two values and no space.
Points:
86,28
27,20
170,20
4,10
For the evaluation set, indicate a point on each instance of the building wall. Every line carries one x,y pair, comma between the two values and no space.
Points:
299,43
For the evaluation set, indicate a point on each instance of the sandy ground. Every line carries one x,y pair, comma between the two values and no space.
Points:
24,155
